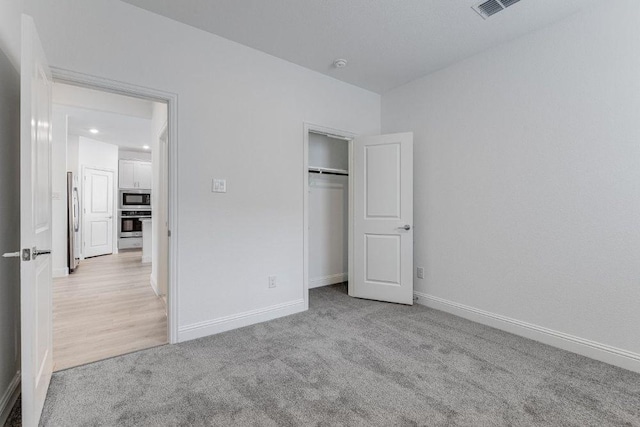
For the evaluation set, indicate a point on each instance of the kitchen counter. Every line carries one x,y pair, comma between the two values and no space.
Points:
146,240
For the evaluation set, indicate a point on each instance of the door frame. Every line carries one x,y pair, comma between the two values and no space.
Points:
62,75
348,137
82,208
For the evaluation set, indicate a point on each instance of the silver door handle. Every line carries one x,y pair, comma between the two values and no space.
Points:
36,252
405,227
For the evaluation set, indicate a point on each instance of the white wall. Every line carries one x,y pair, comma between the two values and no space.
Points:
73,148
100,155
328,212
527,182
81,97
59,194
328,152
9,234
241,115
134,155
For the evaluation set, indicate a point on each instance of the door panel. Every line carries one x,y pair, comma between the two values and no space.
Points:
98,212
99,194
383,205
98,233
382,183
382,259
35,225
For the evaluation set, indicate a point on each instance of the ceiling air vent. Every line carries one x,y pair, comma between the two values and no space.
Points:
488,8
491,7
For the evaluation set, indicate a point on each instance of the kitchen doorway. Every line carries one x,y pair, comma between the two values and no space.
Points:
111,276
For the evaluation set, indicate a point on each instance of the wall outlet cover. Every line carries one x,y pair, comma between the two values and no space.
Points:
272,281
420,272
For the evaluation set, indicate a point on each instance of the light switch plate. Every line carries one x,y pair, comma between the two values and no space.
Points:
219,186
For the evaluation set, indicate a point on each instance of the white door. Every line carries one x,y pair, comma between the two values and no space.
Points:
98,212
35,225
383,218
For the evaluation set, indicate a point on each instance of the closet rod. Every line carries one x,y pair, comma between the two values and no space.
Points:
329,171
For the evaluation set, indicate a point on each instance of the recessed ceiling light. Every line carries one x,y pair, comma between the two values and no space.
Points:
94,131
146,147
340,63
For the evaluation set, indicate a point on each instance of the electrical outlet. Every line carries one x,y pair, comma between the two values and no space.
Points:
420,272
272,281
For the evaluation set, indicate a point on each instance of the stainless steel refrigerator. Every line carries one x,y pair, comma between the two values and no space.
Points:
73,223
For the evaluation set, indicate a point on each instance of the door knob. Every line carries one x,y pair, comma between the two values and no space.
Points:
36,252
405,227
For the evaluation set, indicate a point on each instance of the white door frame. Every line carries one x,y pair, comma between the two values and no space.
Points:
93,82
348,137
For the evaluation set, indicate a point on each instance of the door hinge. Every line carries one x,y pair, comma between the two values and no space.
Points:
169,233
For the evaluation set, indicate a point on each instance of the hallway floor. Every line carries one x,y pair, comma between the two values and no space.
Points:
106,308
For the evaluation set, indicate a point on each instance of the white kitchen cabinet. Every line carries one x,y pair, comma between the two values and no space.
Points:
135,174
142,173
126,179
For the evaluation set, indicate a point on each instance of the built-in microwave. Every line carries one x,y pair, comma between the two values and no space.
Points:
130,199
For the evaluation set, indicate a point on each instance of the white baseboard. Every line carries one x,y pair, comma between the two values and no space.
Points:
154,285
146,259
327,280
9,397
594,350
215,326
61,272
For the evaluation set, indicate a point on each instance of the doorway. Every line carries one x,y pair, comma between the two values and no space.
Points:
327,207
378,232
110,290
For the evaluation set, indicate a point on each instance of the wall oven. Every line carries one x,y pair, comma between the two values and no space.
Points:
135,199
130,224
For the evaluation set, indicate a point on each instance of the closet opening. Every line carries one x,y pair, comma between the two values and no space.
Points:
327,208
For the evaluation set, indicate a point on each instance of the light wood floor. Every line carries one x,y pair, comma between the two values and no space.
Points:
106,308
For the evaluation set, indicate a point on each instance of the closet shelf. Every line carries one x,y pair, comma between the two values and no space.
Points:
329,171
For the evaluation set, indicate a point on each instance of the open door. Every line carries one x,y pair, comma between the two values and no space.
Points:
35,225
382,264
97,231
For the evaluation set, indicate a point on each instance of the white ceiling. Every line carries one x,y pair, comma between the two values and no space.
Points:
387,42
126,132
121,120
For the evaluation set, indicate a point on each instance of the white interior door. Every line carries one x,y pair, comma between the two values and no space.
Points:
35,225
383,218
98,212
